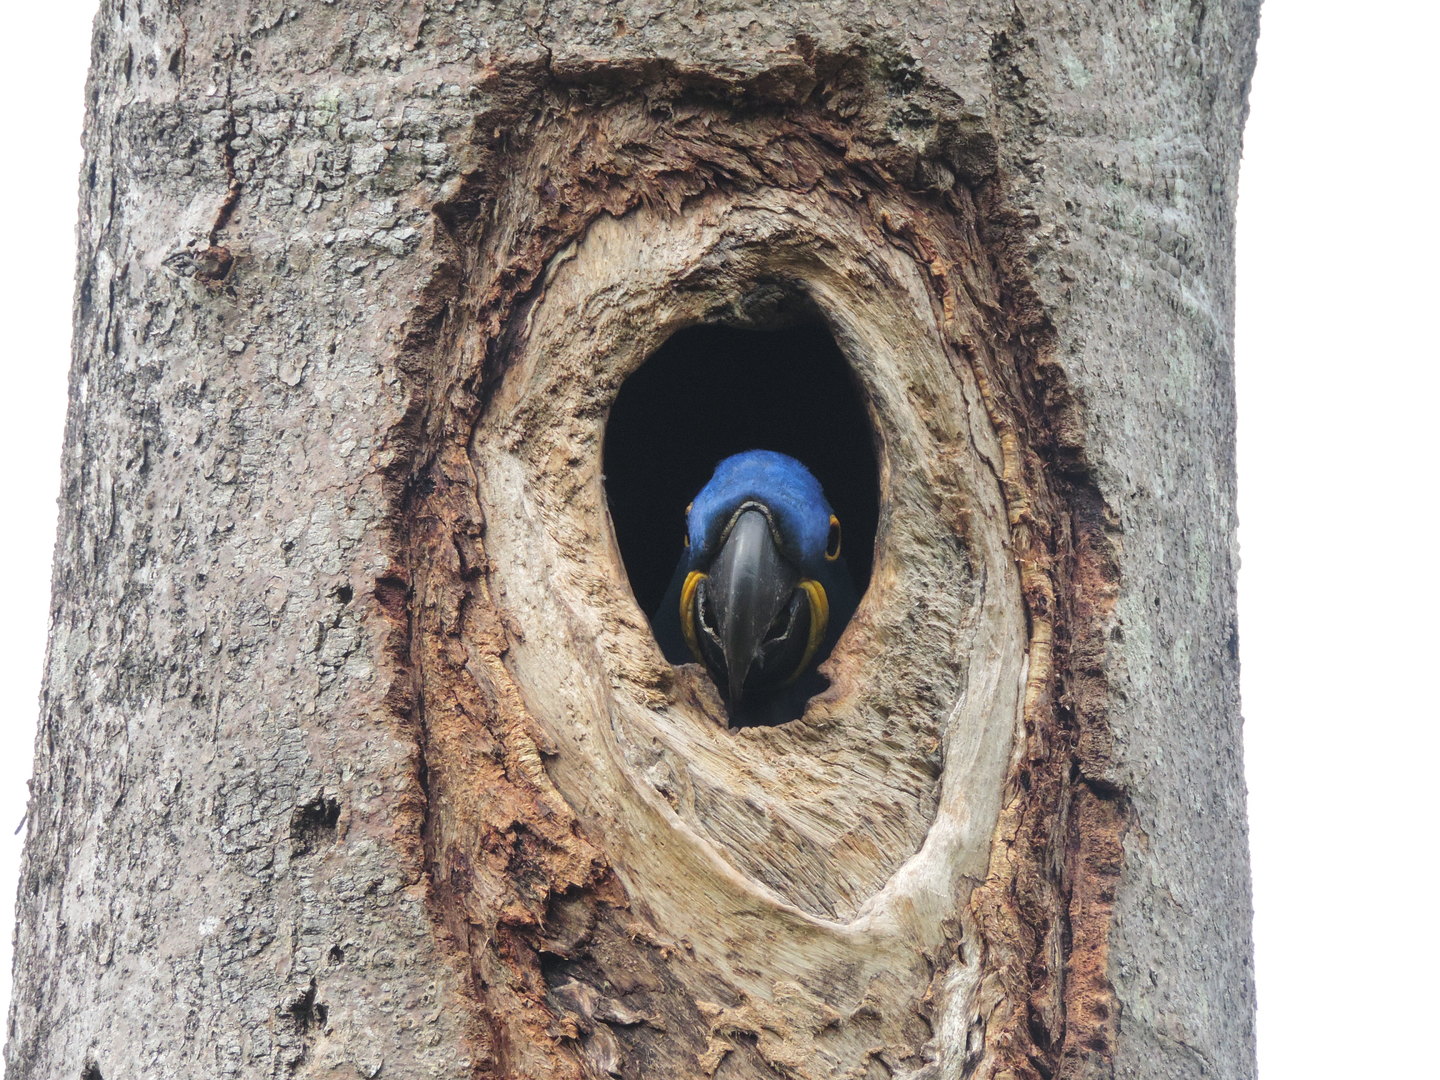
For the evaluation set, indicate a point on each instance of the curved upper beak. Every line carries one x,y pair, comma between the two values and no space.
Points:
750,582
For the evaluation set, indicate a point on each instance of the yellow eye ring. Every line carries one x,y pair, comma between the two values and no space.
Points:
832,540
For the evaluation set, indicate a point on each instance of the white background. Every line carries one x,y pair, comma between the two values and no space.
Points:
1336,361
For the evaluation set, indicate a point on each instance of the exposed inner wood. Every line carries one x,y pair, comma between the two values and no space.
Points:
798,900
824,811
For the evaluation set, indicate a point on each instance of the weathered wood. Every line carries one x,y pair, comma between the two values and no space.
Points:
358,757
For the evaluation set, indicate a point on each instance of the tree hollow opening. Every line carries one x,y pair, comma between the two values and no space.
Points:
711,391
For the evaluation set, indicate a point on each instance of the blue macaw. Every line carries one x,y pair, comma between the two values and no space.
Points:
761,592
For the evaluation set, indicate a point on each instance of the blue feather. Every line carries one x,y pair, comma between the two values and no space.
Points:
792,495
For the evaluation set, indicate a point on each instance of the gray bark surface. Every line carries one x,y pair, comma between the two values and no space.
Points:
355,756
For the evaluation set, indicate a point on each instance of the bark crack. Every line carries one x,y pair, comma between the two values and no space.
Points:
233,186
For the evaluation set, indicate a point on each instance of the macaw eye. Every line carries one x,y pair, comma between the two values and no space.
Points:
832,541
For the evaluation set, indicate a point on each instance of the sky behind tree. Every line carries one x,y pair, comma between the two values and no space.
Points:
1337,377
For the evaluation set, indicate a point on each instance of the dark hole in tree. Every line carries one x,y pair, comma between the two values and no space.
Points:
306,1012
313,824
712,391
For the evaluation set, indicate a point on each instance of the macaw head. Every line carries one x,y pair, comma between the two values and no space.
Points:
762,575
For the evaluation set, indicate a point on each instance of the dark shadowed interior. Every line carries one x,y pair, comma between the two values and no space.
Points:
711,391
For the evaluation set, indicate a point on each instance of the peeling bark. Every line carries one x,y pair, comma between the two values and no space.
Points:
357,747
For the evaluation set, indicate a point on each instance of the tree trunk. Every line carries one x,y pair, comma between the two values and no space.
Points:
358,756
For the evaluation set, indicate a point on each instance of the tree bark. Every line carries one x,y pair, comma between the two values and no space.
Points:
357,756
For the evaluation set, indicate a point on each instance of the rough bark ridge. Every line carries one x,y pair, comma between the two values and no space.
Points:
316,764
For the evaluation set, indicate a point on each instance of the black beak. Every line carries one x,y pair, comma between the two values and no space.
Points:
749,586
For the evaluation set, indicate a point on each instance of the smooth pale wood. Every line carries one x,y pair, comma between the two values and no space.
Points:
834,851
